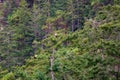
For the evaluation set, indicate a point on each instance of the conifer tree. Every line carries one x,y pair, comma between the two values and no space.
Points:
19,36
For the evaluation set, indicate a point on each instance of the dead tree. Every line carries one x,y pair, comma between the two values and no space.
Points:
52,58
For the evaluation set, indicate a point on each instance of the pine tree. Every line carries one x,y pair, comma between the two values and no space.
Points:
17,45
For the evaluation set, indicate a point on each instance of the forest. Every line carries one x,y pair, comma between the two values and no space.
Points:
59,39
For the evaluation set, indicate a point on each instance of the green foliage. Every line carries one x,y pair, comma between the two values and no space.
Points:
81,55
40,76
93,2
16,42
9,76
45,39
22,75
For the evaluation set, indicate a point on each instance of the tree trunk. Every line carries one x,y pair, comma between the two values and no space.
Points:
72,9
78,20
52,64
49,14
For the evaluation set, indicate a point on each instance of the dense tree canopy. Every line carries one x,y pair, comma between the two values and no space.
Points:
59,39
